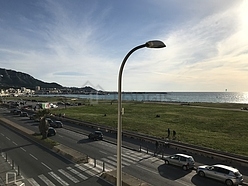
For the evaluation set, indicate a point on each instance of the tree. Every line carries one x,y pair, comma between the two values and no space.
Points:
44,125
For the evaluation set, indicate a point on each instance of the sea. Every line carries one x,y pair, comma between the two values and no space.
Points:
181,97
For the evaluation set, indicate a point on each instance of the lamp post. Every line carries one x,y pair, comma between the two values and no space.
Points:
149,44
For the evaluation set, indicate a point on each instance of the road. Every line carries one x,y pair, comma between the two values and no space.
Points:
139,164
40,166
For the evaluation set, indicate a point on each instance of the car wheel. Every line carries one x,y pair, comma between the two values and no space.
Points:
185,167
167,162
229,182
201,173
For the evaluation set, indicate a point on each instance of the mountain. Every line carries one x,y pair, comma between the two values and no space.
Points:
14,79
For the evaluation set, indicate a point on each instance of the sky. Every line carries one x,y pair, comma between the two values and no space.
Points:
83,43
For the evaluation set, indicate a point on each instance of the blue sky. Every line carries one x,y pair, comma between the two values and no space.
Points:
77,43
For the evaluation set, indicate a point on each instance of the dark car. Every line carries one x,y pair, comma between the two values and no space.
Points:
51,122
97,135
58,124
24,114
51,131
32,116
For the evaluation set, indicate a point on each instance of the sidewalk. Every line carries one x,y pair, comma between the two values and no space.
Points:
6,169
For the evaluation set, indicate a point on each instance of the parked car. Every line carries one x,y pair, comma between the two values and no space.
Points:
58,124
51,131
32,116
181,160
228,175
17,112
51,123
24,114
97,135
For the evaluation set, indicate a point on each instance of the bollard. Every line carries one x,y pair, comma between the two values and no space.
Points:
13,164
103,167
140,148
94,162
146,149
6,157
18,170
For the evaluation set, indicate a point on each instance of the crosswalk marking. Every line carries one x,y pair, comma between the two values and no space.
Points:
123,162
77,173
96,169
88,171
75,180
32,182
46,180
109,161
131,157
56,177
139,154
99,165
73,175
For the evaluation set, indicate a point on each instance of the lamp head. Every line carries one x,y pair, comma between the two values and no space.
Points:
155,44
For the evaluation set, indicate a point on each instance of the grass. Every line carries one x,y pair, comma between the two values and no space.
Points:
221,126
223,129
48,141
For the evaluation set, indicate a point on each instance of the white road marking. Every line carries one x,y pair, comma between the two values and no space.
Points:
183,183
46,166
2,134
32,182
77,173
14,143
33,156
102,152
88,171
23,149
56,177
46,180
123,161
75,180
7,138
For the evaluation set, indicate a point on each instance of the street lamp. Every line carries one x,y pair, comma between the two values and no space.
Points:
149,44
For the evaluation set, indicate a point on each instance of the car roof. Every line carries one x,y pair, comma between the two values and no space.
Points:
226,167
184,155
98,131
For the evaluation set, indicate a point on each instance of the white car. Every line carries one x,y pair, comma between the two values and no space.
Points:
182,160
229,175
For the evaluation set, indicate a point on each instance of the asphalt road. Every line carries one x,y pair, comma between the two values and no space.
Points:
40,166
139,164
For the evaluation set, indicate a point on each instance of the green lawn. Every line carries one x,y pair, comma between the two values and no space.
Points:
223,129
221,126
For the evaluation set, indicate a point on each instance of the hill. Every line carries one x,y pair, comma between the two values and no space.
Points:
14,79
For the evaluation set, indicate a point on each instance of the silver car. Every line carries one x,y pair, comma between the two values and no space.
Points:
224,173
182,160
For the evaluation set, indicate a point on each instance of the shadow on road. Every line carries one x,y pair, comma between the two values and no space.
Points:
86,140
168,172
15,147
201,181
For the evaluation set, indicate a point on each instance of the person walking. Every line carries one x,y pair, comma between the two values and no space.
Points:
168,131
174,134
